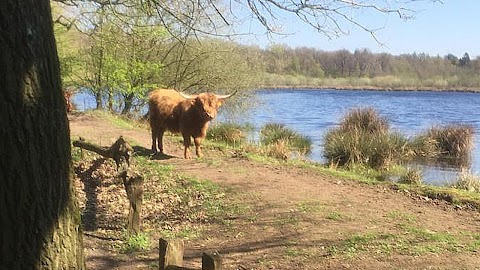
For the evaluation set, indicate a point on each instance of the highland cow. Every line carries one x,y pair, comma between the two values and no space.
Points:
176,112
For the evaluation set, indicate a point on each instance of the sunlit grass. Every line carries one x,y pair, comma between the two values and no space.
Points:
283,141
230,133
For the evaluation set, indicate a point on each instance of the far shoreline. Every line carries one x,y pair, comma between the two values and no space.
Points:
370,88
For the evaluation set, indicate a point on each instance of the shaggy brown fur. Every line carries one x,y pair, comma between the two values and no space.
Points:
67,96
169,110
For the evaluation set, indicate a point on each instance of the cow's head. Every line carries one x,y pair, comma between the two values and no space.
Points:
207,103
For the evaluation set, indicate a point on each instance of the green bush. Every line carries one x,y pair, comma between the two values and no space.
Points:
278,136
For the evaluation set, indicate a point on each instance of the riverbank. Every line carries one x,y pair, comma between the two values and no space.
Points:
281,215
386,83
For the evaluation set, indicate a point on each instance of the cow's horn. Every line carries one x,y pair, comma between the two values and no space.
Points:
225,96
187,96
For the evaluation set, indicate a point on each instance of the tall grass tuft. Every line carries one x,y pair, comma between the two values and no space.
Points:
230,133
286,142
412,177
364,119
363,138
467,181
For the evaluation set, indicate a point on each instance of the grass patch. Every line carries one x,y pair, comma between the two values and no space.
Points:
294,252
117,120
401,216
412,177
229,133
310,207
335,216
137,242
186,232
413,241
282,142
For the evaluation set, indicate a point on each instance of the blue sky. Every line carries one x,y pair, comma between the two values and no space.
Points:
438,29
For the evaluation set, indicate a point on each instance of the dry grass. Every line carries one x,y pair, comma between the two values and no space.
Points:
452,143
468,181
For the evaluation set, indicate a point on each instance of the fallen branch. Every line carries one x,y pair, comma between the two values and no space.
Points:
121,151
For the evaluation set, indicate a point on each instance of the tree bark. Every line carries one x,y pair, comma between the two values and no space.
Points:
39,215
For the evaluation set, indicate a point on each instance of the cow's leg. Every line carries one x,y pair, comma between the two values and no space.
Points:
187,141
154,140
160,140
197,142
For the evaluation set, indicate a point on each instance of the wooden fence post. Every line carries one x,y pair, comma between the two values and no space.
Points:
170,254
134,188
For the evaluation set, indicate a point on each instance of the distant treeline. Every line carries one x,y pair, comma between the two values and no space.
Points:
310,67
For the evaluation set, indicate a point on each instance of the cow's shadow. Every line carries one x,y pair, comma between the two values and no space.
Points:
145,152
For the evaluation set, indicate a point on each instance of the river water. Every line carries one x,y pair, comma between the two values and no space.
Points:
314,112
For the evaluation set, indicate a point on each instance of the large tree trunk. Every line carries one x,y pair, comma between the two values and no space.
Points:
39,217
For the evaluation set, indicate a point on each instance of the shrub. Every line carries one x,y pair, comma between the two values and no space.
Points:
229,133
279,134
363,138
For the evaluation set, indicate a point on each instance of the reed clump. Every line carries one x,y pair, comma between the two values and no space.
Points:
364,138
283,142
451,141
449,145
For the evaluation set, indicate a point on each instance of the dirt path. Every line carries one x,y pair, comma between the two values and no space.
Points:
302,219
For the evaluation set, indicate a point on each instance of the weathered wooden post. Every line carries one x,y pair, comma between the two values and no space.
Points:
170,254
211,261
134,188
